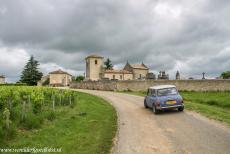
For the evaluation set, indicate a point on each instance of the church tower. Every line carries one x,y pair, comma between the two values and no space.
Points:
94,67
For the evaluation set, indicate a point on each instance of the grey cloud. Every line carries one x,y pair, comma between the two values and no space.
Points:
166,35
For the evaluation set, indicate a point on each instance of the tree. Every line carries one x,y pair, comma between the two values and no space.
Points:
80,78
30,74
108,64
226,75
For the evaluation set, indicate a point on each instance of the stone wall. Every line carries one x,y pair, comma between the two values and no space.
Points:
135,85
95,85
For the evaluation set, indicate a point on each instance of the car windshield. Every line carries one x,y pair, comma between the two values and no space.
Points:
166,91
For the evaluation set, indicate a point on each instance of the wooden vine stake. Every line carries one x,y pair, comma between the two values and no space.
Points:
29,101
24,110
61,100
53,98
70,99
6,115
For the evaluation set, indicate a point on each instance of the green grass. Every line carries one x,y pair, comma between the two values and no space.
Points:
215,105
87,128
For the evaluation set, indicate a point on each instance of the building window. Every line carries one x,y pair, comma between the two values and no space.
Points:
121,77
113,76
96,62
140,76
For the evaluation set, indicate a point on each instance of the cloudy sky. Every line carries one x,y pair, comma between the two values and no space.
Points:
192,36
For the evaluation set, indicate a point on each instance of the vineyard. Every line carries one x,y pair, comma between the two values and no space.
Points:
46,117
26,108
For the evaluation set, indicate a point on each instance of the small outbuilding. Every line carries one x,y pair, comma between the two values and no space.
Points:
59,78
56,78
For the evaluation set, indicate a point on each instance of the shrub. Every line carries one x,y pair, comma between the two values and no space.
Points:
14,113
31,121
7,133
37,107
51,115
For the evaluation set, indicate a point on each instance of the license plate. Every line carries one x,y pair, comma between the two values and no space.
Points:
171,102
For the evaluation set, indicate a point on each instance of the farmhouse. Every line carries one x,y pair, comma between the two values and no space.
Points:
56,78
59,78
95,70
2,79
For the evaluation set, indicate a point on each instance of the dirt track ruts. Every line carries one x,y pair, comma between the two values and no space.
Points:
140,131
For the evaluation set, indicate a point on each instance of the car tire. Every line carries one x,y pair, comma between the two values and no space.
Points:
145,104
155,110
181,109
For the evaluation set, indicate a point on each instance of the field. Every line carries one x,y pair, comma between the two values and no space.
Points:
215,105
50,118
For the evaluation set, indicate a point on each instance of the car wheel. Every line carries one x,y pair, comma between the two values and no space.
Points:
155,111
181,109
145,104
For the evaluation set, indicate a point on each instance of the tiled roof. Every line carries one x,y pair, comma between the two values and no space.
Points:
118,71
139,66
2,76
59,72
94,56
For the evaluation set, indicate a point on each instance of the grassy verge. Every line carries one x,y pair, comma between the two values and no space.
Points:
87,128
215,105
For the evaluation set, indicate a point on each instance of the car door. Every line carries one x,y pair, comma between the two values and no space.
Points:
152,97
148,96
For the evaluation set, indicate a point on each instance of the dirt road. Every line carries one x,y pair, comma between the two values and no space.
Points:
140,131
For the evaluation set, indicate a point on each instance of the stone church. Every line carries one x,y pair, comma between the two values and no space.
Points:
95,70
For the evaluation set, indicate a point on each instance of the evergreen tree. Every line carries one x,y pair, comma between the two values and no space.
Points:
108,64
30,74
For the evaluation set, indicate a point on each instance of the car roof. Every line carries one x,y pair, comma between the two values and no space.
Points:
162,87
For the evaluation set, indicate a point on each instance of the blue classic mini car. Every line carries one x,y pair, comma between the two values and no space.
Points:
163,97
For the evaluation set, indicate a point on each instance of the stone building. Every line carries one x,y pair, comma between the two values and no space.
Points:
163,76
151,76
95,70
59,78
118,75
56,78
94,67
2,79
139,71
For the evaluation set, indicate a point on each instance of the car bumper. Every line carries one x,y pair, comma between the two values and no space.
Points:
169,107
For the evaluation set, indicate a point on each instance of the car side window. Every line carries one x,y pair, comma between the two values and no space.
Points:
153,92
149,92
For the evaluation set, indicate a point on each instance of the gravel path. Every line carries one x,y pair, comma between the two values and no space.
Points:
142,132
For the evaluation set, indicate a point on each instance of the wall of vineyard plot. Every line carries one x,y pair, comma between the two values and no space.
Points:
142,85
